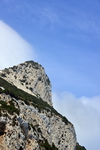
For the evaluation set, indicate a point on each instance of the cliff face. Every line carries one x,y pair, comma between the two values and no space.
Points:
27,119
32,129
30,77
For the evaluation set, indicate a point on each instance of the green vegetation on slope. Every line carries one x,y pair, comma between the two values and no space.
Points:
47,146
13,91
10,108
78,147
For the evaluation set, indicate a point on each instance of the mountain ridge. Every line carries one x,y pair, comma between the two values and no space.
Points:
31,77
31,121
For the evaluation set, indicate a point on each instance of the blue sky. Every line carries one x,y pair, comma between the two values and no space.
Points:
63,36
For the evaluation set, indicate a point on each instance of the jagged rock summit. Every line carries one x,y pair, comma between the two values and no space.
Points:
28,120
30,77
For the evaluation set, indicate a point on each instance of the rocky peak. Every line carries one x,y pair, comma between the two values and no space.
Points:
30,77
27,119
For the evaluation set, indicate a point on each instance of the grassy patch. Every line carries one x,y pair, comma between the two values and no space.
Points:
10,108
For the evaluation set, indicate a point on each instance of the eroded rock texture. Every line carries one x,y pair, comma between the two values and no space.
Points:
30,77
32,129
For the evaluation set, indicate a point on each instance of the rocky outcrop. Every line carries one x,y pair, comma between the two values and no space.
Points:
30,77
26,127
28,120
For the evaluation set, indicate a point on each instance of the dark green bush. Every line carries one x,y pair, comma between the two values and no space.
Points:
78,147
3,75
10,108
47,146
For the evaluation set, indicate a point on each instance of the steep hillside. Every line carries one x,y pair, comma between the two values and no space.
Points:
31,123
27,121
30,77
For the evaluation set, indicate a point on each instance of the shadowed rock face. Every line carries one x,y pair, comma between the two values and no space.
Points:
2,127
2,134
30,77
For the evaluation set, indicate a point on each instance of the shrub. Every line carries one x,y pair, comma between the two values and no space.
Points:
78,147
3,75
10,108
47,146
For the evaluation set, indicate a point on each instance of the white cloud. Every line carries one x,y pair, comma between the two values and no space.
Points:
13,48
84,113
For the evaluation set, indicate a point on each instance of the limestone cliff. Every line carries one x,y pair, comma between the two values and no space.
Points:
30,77
32,129
27,119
